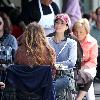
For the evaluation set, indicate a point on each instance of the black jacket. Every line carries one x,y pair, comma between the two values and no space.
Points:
37,79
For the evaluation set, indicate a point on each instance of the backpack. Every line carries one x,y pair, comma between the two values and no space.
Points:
79,49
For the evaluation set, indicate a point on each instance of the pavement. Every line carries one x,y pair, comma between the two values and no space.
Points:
97,90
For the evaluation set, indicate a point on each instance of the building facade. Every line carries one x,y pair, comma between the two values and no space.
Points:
87,5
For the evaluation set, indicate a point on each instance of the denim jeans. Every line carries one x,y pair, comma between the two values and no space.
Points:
61,84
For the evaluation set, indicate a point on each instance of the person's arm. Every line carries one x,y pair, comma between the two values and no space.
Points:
92,61
64,6
55,8
71,7
13,42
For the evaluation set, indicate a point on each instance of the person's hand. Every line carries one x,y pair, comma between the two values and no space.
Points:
2,85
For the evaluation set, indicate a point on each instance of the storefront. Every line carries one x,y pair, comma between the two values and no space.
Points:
90,5
87,5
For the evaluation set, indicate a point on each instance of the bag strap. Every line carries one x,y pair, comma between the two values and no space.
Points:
62,49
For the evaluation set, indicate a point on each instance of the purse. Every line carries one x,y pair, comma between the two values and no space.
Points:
82,77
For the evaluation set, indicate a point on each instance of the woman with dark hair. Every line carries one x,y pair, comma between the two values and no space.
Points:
7,42
65,47
7,22
6,38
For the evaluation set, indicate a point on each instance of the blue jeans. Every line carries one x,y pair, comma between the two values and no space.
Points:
61,84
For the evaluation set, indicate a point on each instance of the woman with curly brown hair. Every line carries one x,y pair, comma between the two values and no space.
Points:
34,48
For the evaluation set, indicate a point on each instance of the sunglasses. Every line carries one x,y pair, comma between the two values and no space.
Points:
0,23
98,14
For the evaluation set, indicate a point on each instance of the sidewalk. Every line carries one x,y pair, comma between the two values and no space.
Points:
97,90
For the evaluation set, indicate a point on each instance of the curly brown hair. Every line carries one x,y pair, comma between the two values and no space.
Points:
38,51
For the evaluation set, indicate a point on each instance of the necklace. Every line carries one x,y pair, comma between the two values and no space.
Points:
57,41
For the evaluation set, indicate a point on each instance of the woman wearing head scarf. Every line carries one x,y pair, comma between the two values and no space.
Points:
65,47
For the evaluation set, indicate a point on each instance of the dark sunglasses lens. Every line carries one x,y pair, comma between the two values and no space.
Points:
0,23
